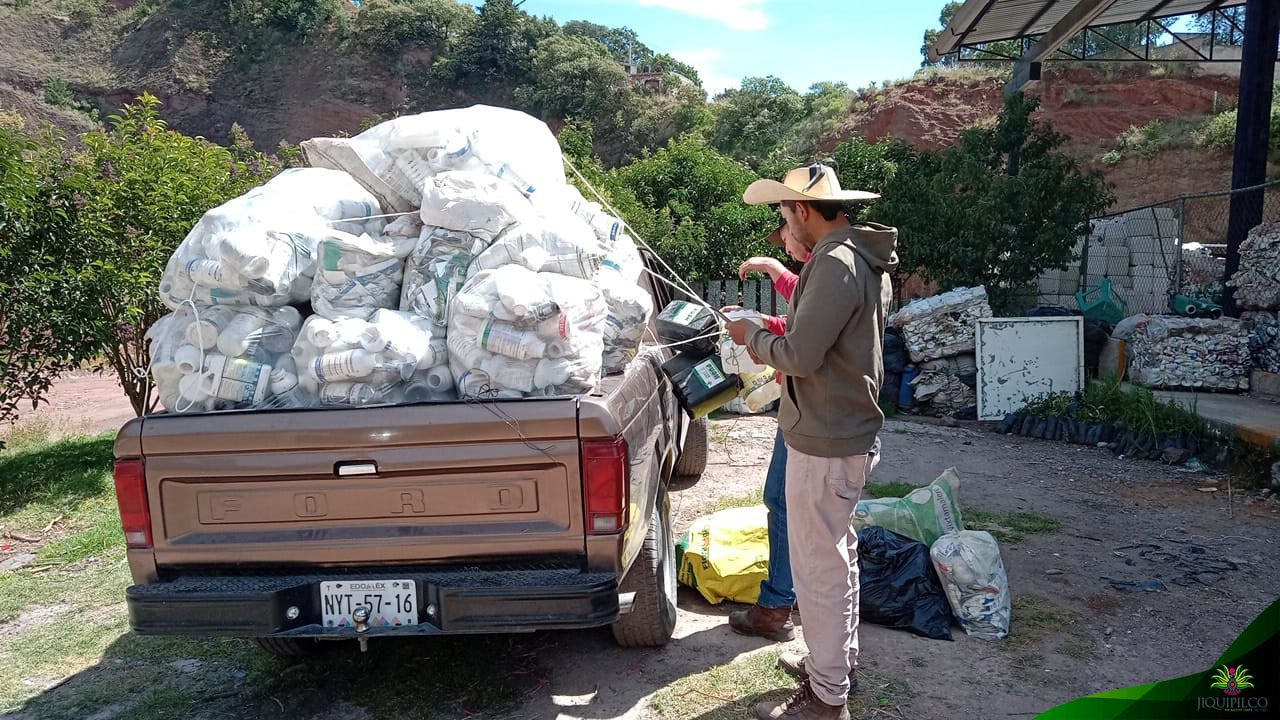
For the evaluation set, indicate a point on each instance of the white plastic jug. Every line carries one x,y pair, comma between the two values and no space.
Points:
347,365
236,380
348,393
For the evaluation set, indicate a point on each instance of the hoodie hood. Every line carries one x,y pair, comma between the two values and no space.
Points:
876,243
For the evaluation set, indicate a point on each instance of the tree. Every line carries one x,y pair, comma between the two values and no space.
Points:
931,34
393,25
1002,48
40,333
1227,25
963,220
495,55
623,43
138,187
826,108
753,120
694,196
574,76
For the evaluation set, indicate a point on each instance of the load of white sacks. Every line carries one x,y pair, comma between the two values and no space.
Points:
944,325
420,265
1257,283
1191,353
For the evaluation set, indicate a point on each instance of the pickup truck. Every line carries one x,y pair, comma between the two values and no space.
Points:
295,527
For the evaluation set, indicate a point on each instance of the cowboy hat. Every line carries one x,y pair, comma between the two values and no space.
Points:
815,183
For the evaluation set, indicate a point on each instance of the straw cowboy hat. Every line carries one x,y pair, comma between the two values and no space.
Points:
815,183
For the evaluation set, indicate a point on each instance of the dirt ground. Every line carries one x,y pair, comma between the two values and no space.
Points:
1122,521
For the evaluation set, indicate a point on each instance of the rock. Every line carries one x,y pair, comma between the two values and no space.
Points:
1275,477
1107,631
1175,456
1053,571
17,561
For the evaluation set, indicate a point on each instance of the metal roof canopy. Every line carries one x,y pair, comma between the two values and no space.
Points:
983,21
1057,21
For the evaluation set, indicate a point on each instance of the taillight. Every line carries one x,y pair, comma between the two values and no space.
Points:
606,484
131,495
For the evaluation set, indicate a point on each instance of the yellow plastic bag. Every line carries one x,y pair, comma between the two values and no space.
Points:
725,555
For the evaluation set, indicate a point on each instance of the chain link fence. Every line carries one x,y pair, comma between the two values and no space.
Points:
1157,258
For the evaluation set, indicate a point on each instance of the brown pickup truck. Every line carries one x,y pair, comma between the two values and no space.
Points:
293,527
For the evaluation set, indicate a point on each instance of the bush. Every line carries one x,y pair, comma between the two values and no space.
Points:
1219,131
963,219
393,25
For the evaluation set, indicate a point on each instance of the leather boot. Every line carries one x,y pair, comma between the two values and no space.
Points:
804,705
793,665
772,623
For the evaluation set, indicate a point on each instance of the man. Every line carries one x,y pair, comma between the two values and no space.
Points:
770,617
831,355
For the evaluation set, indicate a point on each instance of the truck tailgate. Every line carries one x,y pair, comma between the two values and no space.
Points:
422,483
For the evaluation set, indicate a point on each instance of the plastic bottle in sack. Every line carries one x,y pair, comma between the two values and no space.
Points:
319,332
234,338
236,380
210,322
346,365
428,385
504,339
520,290
348,393
388,371
508,173
187,359
211,273
390,331
191,394
286,391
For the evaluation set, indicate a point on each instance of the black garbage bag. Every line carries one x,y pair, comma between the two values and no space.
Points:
899,587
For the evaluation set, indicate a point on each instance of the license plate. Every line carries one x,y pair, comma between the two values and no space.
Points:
390,603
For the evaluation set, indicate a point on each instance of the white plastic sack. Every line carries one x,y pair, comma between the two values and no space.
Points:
973,576
352,362
630,305
472,202
225,358
513,333
437,269
356,276
395,158
259,249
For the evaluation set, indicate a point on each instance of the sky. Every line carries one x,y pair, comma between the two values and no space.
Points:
800,41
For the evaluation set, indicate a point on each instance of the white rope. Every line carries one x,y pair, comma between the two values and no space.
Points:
678,283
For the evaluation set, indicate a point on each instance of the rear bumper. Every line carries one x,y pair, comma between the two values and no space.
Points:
452,602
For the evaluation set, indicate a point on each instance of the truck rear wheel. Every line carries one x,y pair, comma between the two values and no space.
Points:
289,647
693,456
652,578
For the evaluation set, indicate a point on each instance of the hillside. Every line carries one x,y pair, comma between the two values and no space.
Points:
64,60
1092,108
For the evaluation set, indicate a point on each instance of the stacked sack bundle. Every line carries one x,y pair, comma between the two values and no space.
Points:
1264,339
1257,283
940,334
1173,352
480,201
233,283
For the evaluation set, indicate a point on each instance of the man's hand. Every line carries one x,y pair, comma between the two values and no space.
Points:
738,330
768,266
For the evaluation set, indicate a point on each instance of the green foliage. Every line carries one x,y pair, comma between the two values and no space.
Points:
575,77
390,26
694,195
622,44
58,92
143,187
964,220
752,121
1219,131
40,336
295,19
87,237
826,108
870,167
495,55
1109,400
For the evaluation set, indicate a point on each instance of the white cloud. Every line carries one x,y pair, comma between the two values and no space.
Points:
746,15
705,61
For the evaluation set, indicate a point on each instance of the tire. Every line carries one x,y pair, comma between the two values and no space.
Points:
693,456
289,647
652,578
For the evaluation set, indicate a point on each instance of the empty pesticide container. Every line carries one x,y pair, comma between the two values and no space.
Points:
701,384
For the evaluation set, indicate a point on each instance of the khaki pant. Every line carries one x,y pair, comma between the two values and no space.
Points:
822,494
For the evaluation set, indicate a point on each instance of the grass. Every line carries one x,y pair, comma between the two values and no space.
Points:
1008,527
889,490
728,502
731,691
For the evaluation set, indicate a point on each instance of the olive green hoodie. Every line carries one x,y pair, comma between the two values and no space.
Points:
833,352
